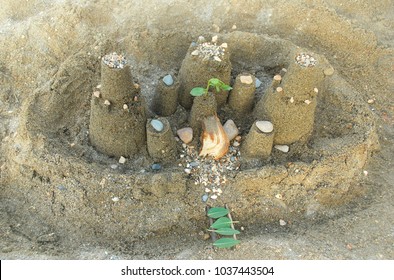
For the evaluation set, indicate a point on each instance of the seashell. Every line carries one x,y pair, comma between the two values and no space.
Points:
214,139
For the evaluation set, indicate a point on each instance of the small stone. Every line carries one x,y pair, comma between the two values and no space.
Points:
217,58
234,27
106,102
278,196
168,80
98,86
242,228
258,83
282,148
371,101
316,90
238,138
224,45
187,170
115,199
195,52
265,126
157,125
114,166
278,78
328,71
206,236
122,160
156,166
207,190
72,144
282,222
125,107
137,86
231,129
215,39
201,39
236,144
214,196
204,198
96,94
292,99
308,102
279,89
216,28
365,173
246,80
185,134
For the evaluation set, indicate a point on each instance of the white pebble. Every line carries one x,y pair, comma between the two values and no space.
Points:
282,222
234,27
265,126
214,196
308,102
96,94
125,107
292,99
188,170
236,144
365,173
207,190
279,89
224,45
278,196
217,58
106,102
195,52
122,160
316,90
258,83
115,199
215,39
157,125
282,148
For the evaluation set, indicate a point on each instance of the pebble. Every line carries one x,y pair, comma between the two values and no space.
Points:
156,166
305,60
282,222
115,60
96,94
207,190
214,196
316,90
187,170
185,134
157,125
125,107
308,102
215,39
195,52
106,102
328,71
365,173
231,129
217,58
61,188
115,199
168,80
258,83
246,80
279,89
114,166
292,99
238,138
282,148
204,198
224,45
236,144
234,27
265,126
371,101
122,160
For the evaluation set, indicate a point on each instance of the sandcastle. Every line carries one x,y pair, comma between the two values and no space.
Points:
303,140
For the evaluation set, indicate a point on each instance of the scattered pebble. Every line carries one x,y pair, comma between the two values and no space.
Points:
168,80
122,160
224,45
371,101
98,86
114,166
365,173
279,89
292,99
215,39
282,222
316,90
209,50
214,196
308,102
96,94
106,102
305,60
282,148
125,107
236,144
157,125
278,196
265,126
115,199
242,228
217,58
204,198
185,134
114,60
258,83
207,190
187,170
238,138
328,71
195,52
231,129
234,27
246,80
156,166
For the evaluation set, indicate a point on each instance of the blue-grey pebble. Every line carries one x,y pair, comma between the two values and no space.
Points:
157,125
168,80
204,198
156,166
194,164
258,83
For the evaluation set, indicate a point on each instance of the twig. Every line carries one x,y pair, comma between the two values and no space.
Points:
213,234
231,219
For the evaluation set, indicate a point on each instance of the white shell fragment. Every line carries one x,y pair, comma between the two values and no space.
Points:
265,126
106,102
115,199
308,102
224,45
96,94
215,39
282,148
246,80
195,52
316,90
122,160
282,222
217,58
125,107
214,196
292,99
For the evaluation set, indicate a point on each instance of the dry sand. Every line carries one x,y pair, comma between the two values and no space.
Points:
38,36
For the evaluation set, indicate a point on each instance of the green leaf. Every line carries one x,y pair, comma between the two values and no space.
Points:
226,87
217,88
226,242
214,82
222,222
217,212
197,91
226,231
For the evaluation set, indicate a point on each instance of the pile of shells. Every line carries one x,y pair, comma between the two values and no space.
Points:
115,60
209,50
305,60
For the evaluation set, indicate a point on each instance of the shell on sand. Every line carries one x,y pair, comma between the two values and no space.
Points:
214,139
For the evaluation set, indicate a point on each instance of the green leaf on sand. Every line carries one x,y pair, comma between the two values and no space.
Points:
226,231
222,222
226,242
197,91
226,88
217,212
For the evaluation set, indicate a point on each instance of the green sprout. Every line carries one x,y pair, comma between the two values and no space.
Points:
215,83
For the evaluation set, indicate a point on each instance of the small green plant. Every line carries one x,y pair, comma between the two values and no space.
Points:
223,226
215,83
